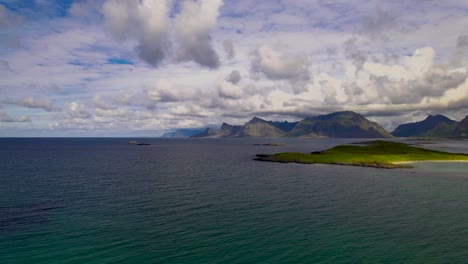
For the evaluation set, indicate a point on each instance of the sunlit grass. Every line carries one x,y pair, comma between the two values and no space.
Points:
377,153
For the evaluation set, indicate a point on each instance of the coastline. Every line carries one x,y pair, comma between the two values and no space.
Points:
428,161
378,154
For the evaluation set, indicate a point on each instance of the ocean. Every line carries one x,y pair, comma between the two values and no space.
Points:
102,200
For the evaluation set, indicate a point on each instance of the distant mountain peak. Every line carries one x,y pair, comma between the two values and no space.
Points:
432,125
462,128
344,124
225,125
256,120
437,117
338,125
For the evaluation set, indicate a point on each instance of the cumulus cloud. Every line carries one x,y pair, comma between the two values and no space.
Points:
354,53
78,110
415,81
44,104
148,22
278,64
432,85
31,102
98,102
229,49
193,31
234,77
5,118
145,21
372,73
229,90
164,91
134,99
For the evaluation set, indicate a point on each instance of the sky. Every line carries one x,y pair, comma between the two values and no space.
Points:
146,67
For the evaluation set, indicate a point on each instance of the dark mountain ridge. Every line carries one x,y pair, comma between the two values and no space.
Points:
345,124
432,126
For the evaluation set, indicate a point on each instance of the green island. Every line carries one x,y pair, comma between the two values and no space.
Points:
377,153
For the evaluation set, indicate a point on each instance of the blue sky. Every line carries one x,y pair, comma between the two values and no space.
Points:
142,68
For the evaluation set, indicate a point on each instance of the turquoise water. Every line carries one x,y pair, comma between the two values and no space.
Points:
207,201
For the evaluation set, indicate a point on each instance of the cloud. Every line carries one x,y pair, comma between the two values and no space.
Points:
417,78
192,30
148,23
145,21
87,10
229,90
234,77
462,41
379,24
101,104
5,118
413,81
353,52
78,110
460,56
164,91
31,102
278,64
383,69
228,47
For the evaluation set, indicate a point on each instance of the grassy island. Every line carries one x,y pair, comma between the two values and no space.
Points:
378,154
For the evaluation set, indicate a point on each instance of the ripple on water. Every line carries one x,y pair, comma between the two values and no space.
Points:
207,201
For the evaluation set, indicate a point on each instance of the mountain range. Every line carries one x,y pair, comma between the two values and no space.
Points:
346,124
433,126
336,125
182,133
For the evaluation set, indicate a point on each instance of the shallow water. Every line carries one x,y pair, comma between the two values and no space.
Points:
207,201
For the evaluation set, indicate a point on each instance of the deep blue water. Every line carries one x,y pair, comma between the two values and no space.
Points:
207,201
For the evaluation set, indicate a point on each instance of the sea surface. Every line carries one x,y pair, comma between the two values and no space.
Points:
88,200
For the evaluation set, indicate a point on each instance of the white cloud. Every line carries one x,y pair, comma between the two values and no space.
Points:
5,118
78,110
31,102
164,91
379,58
229,90
145,21
148,23
193,31
278,64
101,104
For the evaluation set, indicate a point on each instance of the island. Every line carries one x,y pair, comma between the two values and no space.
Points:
133,142
271,144
376,153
